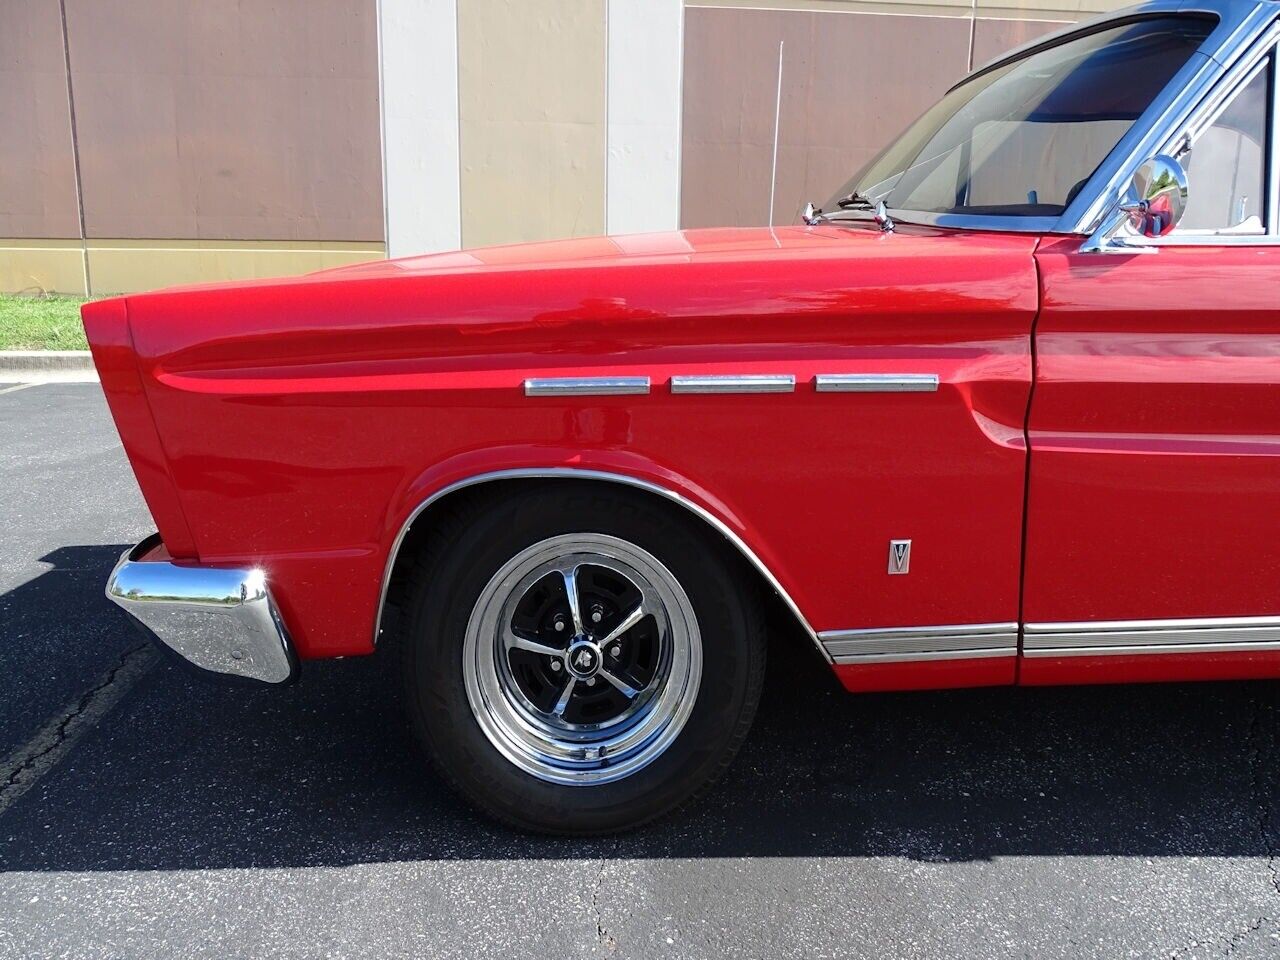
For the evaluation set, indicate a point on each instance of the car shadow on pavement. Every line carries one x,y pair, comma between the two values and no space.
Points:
189,775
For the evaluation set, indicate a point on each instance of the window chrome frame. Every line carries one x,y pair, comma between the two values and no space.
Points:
1236,39
1240,24
1264,54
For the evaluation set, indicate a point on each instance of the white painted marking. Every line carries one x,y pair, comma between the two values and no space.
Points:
645,60
22,769
20,386
418,47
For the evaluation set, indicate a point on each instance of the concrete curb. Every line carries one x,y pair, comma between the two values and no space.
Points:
33,366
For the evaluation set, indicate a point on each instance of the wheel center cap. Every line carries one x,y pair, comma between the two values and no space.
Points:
583,659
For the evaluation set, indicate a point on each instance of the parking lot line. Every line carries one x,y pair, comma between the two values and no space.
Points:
17,387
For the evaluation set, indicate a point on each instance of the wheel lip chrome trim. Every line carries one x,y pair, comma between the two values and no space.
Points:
734,383
575,473
1191,635
221,620
585,386
876,382
942,642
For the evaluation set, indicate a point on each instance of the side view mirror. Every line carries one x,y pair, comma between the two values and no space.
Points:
1151,207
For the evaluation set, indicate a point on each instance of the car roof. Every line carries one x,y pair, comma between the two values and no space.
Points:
1234,10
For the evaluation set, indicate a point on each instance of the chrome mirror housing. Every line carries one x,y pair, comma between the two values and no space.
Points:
1150,208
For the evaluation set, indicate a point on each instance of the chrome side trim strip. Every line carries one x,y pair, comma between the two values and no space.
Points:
219,619
1202,635
585,386
734,383
577,474
876,382
948,642
983,653
1249,646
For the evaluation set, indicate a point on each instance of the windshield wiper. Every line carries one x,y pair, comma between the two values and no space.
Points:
855,201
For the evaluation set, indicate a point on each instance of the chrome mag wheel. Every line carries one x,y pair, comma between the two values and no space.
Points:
582,659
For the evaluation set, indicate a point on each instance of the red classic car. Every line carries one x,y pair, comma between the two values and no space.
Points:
1006,411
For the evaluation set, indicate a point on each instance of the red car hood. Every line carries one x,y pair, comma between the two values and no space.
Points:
673,246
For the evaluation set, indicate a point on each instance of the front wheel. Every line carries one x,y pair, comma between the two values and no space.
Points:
581,660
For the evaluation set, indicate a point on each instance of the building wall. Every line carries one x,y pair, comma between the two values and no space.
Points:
214,140
531,103
150,142
839,78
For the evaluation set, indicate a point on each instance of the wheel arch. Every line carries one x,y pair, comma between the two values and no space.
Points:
491,482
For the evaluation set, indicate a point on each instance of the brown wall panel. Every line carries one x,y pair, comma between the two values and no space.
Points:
845,93
993,37
228,120
37,172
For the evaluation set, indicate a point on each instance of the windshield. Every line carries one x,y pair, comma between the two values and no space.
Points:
1024,139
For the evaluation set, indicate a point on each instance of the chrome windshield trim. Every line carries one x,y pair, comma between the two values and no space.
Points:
876,382
951,641
1273,155
220,619
734,383
1240,24
574,473
585,386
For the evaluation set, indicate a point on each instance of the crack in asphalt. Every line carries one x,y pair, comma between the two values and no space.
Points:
25,766
603,936
1265,797
1264,820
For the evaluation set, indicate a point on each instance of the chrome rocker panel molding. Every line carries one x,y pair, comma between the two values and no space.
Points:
1112,637
573,473
902,644
220,620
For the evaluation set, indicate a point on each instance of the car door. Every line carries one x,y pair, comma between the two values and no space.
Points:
1153,527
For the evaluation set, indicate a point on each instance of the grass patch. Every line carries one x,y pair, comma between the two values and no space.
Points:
41,323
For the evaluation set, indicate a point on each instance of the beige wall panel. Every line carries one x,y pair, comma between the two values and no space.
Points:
228,120
37,172
845,94
953,8
531,106
126,266
41,266
730,91
1063,10
993,37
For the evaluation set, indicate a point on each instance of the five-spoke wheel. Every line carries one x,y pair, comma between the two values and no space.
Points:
580,658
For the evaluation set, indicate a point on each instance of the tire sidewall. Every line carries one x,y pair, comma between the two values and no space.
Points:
732,661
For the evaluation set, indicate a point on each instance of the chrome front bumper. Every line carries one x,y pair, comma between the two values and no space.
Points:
221,620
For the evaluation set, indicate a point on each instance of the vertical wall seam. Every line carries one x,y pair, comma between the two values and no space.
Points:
457,109
75,149
382,130
607,131
684,15
777,123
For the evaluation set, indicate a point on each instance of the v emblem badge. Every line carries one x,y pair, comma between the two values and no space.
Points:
899,556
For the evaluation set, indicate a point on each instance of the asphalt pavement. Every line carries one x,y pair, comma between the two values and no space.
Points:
144,813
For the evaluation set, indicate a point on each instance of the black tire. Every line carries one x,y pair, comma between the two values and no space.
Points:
462,555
